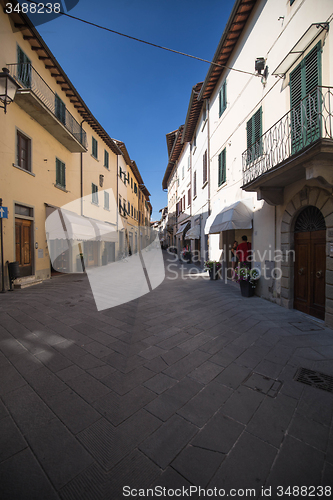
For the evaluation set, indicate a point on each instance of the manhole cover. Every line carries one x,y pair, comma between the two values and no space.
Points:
314,379
263,384
306,326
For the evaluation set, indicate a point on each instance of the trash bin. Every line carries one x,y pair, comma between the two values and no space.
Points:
13,272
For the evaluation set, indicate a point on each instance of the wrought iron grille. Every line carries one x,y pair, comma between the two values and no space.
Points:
310,120
29,78
310,219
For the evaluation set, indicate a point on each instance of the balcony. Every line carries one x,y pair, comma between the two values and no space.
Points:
299,146
41,103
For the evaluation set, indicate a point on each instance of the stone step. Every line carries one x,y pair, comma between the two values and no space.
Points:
26,281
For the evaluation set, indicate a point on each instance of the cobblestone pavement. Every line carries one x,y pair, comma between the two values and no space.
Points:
190,385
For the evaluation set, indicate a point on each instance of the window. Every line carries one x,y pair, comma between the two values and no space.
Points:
194,184
94,148
204,167
136,189
106,159
132,212
304,103
131,182
291,2
106,200
189,163
23,68
222,168
23,152
253,136
195,140
204,112
184,203
94,190
120,205
60,174
189,197
128,207
223,98
60,109
183,172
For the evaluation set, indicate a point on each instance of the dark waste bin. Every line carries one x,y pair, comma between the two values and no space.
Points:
13,272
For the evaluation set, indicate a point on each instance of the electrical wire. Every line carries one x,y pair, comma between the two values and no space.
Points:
147,43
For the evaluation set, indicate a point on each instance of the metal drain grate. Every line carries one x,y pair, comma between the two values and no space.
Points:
315,379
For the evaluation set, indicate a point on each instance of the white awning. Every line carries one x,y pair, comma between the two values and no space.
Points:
182,228
193,233
313,32
63,224
236,216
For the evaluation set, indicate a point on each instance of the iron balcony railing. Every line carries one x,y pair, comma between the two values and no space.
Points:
29,78
304,124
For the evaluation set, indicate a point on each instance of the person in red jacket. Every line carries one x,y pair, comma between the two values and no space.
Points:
243,252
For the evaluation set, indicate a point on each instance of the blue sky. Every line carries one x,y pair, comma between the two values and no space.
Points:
139,93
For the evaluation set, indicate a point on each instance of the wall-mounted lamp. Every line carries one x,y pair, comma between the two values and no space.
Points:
8,88
259,64
101,180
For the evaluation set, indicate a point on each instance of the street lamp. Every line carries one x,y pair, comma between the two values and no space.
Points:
8,88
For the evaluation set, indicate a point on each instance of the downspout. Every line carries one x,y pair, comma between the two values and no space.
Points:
117,201
208,168
81,198
81,171
208,154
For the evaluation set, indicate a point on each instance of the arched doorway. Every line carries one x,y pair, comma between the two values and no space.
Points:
310,262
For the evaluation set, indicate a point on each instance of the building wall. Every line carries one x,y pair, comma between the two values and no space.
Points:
37,189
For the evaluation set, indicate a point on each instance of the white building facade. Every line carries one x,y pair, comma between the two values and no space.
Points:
270,148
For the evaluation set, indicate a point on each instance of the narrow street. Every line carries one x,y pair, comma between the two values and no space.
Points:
190,384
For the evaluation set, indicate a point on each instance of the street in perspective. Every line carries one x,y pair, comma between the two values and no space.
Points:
166,297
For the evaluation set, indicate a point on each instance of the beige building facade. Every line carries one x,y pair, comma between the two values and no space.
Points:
54,153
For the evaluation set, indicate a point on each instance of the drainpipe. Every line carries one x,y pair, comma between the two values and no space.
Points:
208,154
117,201
208,168
81,172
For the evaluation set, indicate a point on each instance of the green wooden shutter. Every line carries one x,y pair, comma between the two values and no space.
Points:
24,68
223,98
304,103
106,159
222,168
60,109
58,174
253,136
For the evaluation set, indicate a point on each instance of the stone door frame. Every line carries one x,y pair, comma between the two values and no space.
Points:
323,200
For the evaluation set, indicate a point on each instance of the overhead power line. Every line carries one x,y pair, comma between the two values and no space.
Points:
147,43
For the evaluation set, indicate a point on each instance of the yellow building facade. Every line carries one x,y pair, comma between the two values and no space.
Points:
53,152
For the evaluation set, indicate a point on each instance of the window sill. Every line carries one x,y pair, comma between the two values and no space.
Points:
222,185
62,188
95,204
194,197
204,124
194,149
204,184
94,158
105,166
24,170
107,209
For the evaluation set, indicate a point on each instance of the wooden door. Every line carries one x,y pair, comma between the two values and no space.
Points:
310,268
23,247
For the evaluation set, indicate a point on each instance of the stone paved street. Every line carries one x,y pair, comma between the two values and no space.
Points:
189,385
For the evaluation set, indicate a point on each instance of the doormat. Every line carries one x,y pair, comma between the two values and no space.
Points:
314,379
